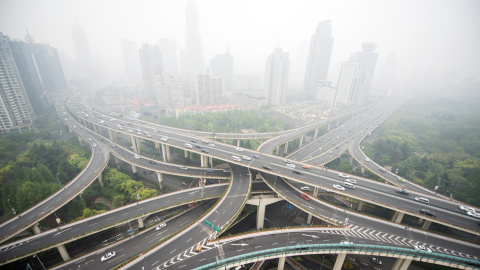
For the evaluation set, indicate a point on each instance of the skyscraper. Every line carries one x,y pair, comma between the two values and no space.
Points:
15,108
151,63
168,48
82,48
222,66
208,89
368,58
192,56
352,76
131,60
276,77
321,45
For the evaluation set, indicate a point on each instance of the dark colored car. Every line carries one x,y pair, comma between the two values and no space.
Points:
152,162
266,167
199,146
402,191
297,172
204,151
427,212
210,171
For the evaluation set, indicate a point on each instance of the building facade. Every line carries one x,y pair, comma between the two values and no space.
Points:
192,56
208,89
151,64
276,77
222,66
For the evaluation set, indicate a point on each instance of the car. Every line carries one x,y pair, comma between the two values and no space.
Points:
183,168
209,171
114,146
427,212
198,146
226,171
339,187
161,226
399,179
330,152
353,181
212,145
473,214
307,167
287,161
239,149
94,144
193,141
376,261
164,138
422,248
187,145
254,156
130,130
305,188
136,156
236,158
466,208
290,165
343,175
305,197
184,184
199,248
266,167
382,169
402,191
108,256
152,162
367,160
204,150
247,158
422,200
89,139
297,172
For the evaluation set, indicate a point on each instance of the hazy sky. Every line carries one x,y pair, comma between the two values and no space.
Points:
424,33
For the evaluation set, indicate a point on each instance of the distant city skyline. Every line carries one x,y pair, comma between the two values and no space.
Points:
408,28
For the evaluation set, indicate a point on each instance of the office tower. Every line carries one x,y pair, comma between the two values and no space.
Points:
352,77
318,58
208,89
82,48
15,108
131,60
169,91
169,51
276,77
222,66
368,58
325,94
192,56
151,63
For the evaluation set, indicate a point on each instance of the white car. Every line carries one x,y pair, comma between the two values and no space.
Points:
343,175
130,130
473,214
164,138
339,187
423,248
212,145
247,158
108,256
305,188
367,160
353,181
187,145
137,156
466,208
287,161
161,226
291,165
183,168
94,144
239,149
422,200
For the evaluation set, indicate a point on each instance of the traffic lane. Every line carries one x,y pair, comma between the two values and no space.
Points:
64,233
136,244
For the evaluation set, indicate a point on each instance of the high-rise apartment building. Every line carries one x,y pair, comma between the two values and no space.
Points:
169,50
170,91
131,60
276,77
352,77
368,58
151,63
208,89
222,66
15,108
82,48
318,61
325,94
192,56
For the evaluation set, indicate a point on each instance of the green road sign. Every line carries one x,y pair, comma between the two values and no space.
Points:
212,226
208,223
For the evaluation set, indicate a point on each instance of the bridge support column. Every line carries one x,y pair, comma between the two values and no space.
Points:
328,128
112,136
316,133
160,180
36,229
260,214
95,127
167,149
397,217
276,150
140,223
210,160
134,144
339,261
100,180
164,155
315,192
360,205
157,146
238,142
203,161
134,168
63,253
362,169
401,264
309,219
301,142
351,160
138,144
69,129
426,224
286,147
281,263
80,140
185,153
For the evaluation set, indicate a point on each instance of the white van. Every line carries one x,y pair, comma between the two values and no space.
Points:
236,158
349,185
422,200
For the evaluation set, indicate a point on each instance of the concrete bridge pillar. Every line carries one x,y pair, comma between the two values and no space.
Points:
185,153
309,219
112,136
360,205
315,192
134,144
210,160
139,143
261,215
339,262
140,223
95,127
401,264
328,128
276,150
164,155
69,129
286,147
315,135
80,140
363,169
134,168
160,180
36,229
203,161
397,217
63,253
167,149
301,142
157,146
238,143
262,201
100,180
281,263
426,224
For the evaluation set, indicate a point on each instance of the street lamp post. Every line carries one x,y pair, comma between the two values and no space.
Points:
39,261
